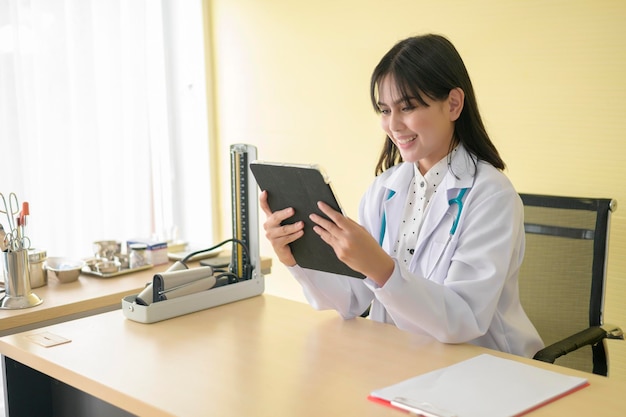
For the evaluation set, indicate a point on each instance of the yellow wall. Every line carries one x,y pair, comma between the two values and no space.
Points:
292,78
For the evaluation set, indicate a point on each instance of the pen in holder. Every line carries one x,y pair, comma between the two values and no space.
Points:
17,290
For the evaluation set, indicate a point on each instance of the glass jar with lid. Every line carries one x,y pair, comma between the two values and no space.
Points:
138,255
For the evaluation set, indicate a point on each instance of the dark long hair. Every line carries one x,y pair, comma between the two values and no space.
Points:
430,65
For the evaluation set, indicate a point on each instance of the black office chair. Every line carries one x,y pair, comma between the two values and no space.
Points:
562,278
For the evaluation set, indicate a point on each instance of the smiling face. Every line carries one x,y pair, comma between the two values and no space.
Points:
421,133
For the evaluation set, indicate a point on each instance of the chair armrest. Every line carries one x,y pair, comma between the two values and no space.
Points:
589,336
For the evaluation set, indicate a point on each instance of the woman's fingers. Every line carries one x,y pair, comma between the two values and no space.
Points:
332,225
281,235
286,231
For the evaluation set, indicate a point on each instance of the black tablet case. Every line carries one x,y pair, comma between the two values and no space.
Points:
301,187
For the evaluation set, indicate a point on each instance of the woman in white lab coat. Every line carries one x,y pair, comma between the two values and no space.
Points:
441,235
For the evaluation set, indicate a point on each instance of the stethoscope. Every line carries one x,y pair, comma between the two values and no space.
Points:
458,200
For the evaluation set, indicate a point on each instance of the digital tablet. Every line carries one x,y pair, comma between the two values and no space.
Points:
301,187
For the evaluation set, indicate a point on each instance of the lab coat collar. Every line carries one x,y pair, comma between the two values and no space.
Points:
461,174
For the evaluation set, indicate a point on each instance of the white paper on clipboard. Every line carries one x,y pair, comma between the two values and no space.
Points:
483,386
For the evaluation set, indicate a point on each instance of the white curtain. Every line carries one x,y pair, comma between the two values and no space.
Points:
86,125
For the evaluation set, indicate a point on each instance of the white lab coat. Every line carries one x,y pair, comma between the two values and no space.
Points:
471,293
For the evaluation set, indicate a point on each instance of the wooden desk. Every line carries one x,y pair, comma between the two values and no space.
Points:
263,356
87,296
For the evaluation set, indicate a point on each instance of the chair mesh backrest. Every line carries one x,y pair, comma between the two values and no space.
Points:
557,287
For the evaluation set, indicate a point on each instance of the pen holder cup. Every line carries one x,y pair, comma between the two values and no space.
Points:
17,290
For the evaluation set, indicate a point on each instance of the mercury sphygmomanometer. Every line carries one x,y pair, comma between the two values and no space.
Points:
180,280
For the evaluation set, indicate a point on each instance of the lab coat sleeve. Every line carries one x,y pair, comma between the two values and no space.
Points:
350,297
462,300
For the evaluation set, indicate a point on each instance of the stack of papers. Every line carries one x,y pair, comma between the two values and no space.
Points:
484,386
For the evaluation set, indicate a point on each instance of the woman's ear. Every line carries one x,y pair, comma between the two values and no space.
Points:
456,98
